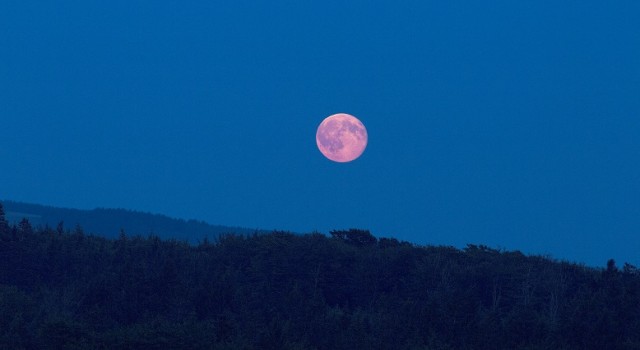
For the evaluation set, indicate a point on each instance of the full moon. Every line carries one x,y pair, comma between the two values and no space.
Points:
341,137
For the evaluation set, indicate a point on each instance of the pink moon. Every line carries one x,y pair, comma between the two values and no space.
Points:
341,137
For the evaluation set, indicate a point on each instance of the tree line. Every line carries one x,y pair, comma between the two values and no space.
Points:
64,289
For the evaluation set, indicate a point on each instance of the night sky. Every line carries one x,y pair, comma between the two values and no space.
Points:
514,124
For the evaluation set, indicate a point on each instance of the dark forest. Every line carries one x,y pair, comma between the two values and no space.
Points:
63,288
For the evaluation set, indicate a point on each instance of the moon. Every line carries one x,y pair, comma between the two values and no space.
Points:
341,137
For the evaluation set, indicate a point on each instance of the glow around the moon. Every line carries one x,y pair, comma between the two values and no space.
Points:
341,137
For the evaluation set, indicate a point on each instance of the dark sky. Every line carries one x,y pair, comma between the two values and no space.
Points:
514,124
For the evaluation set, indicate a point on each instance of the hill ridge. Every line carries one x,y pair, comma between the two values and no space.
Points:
108,222
286,291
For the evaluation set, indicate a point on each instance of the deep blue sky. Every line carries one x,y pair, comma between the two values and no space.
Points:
514,124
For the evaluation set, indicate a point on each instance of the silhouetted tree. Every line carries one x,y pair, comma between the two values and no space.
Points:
60,228
4,225
388,243
629,269
355,237
78,230
612,269
25,228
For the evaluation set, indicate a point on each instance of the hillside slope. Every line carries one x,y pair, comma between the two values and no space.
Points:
109,222
285,291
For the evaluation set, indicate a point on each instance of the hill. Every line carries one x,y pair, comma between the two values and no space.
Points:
108,222
285,291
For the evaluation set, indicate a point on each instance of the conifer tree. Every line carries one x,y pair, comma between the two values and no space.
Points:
4,225
25,227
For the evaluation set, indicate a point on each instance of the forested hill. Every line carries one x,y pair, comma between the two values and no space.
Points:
62,290
109,222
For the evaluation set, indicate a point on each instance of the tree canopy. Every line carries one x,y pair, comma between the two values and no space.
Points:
285,291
